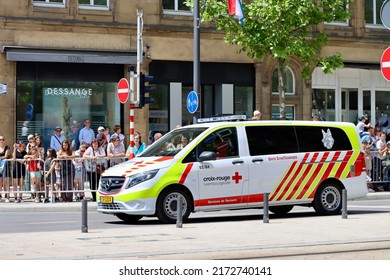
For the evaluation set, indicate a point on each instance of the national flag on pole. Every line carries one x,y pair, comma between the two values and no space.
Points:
236,10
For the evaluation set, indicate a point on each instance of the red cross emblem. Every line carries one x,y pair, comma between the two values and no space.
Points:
237,177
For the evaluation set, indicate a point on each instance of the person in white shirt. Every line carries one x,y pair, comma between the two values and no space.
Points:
116,151
382,146
86,134
56,139
118,132
362,125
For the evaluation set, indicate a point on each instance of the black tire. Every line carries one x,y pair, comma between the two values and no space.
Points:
129,219
281,210
328,199
166,208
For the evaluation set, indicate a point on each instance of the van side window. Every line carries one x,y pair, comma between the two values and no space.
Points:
268,140
222,142
312,138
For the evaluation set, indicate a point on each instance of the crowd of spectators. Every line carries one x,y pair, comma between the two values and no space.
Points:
59,172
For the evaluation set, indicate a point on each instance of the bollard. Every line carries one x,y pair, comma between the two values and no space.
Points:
344,211
265,209
179,217
84,215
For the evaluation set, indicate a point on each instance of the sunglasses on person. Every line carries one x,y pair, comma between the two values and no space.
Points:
2,139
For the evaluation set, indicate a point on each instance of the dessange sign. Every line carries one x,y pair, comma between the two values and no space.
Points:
77,92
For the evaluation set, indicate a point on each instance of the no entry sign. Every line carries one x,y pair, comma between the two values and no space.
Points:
385,64
123,90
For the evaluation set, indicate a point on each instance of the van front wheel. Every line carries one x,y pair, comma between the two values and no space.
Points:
167,205
129,219
328,199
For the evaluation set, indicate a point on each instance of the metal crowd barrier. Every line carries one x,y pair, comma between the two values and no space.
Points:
60,179
380,170
78,178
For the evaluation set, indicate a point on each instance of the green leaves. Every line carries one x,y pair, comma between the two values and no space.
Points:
279,28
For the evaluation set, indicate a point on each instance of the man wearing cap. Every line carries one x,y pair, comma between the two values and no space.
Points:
256,115
101,137
86,133
56,139
362,126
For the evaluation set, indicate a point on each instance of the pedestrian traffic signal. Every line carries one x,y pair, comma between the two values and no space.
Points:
145,88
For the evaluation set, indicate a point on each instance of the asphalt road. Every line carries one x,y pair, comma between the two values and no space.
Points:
47,221
212,236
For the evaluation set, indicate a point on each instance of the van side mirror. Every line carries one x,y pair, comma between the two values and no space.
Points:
207,155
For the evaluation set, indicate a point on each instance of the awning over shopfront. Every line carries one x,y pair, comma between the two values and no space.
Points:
17,53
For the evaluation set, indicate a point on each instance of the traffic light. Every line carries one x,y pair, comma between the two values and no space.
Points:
144,89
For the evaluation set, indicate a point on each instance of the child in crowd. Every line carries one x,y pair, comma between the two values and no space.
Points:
79,174
34,168
50,162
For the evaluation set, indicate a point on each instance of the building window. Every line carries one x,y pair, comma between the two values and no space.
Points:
382,108
324,104
343,23
372,9
243,101
176,6
289,82
49,3
158,110
289,112
94,4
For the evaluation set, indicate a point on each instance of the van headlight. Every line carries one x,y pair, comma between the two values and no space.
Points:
140,177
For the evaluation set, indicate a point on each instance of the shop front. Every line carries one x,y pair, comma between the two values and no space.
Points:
65,94
225,88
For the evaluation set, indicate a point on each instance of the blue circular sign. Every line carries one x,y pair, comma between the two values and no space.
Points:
192,102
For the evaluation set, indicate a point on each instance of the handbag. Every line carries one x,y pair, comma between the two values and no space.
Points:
100,168
2,165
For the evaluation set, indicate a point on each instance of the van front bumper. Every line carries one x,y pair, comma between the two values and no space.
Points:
133,207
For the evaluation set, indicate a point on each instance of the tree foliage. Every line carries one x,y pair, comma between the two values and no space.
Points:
281,29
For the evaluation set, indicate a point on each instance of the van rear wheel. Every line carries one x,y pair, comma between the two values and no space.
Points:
128,218
281,210
167,204
328,199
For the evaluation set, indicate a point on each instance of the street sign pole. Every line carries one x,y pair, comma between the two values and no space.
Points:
196,83
131,118
139,49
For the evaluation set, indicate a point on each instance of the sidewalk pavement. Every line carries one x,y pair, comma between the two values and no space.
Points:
360,236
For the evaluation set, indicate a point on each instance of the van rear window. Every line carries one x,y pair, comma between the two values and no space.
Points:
319,138
268,140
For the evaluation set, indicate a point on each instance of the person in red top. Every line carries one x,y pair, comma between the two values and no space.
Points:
34,167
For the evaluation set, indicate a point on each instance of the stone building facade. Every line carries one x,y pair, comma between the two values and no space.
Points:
61,60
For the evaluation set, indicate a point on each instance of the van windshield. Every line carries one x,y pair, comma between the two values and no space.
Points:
173,142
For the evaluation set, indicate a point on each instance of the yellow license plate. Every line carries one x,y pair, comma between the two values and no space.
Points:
106,199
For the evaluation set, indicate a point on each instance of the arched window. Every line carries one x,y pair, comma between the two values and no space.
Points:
289,82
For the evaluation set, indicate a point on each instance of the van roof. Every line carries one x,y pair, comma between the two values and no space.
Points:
276,122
